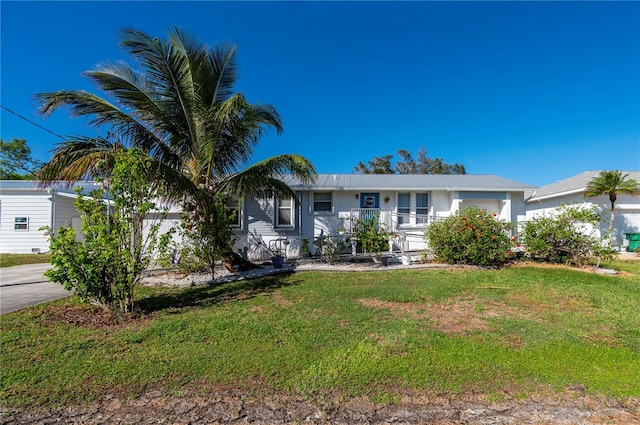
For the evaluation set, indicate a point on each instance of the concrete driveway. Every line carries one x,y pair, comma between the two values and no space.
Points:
24,286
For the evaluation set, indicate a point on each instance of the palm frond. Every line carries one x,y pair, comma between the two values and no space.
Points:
222,69
76,159
259,178
131,89
168,66
178,106
612,183
82,103
234,128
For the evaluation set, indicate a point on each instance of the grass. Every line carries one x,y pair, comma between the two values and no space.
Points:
8,260
521,331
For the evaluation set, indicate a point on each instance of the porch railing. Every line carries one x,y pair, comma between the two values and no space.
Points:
382,216
390,220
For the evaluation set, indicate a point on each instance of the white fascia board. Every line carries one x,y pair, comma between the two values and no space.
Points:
68,195
555,195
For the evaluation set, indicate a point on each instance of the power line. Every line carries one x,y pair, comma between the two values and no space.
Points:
31,122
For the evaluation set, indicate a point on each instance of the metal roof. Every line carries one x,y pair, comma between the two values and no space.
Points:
61,186
465,182
574,184
415,182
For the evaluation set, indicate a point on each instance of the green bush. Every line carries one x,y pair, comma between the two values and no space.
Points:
372,234
105,266
330,248
470,236
566,236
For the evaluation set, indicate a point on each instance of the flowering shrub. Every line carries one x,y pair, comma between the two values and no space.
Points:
566,236
470,236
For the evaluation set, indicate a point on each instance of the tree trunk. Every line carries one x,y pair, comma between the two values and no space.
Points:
611,220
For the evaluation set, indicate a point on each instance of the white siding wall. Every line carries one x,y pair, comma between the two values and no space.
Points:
171,220
518,207
32,204
65,211
548,206
493,206
441,203
627,214
258,230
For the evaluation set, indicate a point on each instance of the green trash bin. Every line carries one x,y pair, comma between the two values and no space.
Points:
634,241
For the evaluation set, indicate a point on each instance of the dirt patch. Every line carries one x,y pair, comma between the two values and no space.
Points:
454,316
234,407
281,301
555,302
90,316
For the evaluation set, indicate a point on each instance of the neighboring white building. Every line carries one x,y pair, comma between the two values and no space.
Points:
25,208
546,199
406,204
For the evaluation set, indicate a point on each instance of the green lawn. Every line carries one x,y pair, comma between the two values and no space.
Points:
8,260
518,332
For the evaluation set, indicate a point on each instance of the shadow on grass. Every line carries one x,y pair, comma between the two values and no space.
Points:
210,295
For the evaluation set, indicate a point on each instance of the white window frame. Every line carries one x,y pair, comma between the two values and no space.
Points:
425,208
21,221
404,211
236,205
408,216
292,211
323,201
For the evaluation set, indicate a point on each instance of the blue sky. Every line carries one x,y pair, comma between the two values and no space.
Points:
532,91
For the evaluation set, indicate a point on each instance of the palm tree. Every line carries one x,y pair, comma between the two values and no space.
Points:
612,183
178,106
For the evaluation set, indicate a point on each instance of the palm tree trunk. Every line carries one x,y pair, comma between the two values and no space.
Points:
611,220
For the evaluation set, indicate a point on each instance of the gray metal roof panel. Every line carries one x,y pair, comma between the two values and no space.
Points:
33,185
471,182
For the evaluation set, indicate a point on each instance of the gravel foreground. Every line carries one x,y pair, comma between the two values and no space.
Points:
158,408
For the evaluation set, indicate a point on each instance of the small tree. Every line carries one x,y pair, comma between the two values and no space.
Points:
16,162
207,237
470,236
567,236
423,164
104,268
612,183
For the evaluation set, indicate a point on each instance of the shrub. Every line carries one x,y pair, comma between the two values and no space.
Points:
330,248
206,234
372,235
118,243
470,236
566,236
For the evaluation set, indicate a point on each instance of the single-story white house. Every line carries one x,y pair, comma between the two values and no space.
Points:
544,200
404,204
